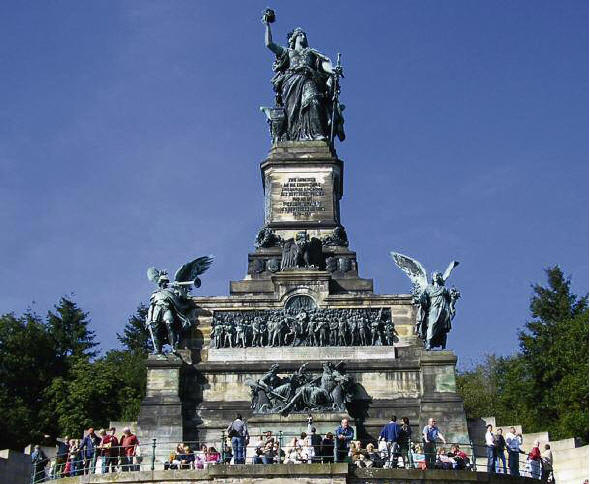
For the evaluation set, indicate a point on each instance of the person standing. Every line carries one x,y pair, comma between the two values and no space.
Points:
315,440
89,448
405,436
62,448
390,434
238,432
77,467
430,433
534,461
328,448
129,445
500,446
113,460
108,448
490,449
513,442
39,460
344,435
547,464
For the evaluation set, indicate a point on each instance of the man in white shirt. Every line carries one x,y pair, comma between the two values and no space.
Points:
490,450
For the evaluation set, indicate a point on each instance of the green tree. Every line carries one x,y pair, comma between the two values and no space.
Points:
554,346
27,364
53,382
97,392
135,336
72,339
478,387
487,388
545,385
131,376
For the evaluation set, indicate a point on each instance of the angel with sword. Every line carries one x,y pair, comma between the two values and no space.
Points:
170,305
436,303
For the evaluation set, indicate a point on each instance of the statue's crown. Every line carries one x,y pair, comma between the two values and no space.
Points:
163,277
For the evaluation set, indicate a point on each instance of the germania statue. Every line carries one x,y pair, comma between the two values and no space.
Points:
306,89
169,313
436,303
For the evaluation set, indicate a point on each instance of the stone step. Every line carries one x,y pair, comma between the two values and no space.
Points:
560,445
573,475
579,454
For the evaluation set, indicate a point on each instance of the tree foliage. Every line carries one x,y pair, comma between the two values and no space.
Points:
545,385
52,380
27,363
72,340
135,336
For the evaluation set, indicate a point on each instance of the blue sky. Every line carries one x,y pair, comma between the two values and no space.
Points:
130,136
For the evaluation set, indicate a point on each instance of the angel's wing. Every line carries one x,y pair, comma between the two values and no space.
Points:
413,270
191,270
153,274
449,269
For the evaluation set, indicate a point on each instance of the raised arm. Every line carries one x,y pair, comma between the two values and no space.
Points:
277,49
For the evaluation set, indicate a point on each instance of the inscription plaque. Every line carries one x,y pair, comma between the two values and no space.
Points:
301,196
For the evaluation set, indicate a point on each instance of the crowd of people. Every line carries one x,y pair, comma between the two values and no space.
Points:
75,457
538,465
393,448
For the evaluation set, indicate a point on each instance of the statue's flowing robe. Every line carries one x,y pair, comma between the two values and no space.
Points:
436,314
290,255
301,83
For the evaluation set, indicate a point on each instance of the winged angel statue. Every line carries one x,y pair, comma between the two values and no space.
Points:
170,305
436,303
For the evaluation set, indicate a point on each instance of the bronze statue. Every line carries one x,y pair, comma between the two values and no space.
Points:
436,303
169,313
302,252
333,390
306,89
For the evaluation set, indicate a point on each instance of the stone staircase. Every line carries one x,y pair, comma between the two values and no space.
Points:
570,460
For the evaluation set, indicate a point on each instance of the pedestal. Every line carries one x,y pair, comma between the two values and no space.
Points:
302,184
160,416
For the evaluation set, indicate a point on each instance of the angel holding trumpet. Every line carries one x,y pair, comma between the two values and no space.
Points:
436,303
169,313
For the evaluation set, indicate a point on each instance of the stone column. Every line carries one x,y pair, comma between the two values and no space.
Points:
439,395
160,415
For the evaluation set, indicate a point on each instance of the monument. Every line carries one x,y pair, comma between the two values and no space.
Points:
302,331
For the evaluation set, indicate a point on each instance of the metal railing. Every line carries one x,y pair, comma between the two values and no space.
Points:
281,448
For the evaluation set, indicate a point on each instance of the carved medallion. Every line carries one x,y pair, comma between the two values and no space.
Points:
300,302
273,265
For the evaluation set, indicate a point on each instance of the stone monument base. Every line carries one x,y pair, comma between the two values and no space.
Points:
296,474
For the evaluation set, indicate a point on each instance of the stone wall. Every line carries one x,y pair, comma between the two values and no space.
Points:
296,474
15,467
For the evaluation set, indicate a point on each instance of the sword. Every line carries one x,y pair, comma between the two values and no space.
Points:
336,90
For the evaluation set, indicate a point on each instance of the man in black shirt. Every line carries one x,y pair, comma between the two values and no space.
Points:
500,445
327,449
314,439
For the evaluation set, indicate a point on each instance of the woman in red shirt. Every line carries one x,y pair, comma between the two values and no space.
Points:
534,461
